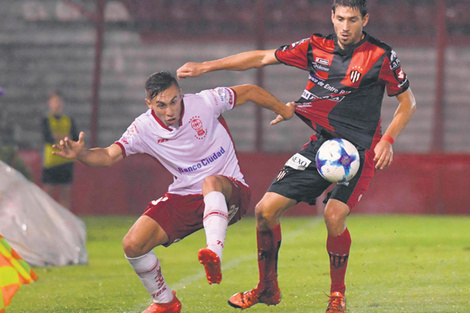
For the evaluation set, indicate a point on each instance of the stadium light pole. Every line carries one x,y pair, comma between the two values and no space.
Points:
99,24
97,18
439,105
260,45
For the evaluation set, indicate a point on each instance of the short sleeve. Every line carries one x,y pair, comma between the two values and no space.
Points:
221,99
130,142
295,54
396,80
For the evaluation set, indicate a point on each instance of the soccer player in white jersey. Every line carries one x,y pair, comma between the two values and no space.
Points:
188,136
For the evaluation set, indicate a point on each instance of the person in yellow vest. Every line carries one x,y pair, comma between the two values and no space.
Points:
57,172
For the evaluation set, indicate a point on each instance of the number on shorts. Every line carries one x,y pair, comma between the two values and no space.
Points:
232,211
155,202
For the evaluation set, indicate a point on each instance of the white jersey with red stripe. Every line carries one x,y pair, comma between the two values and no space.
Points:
200,146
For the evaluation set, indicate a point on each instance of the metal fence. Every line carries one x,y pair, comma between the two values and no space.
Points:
100,52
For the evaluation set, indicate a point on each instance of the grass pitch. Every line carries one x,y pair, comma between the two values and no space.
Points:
397,264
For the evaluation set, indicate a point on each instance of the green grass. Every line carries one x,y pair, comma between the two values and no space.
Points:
397,264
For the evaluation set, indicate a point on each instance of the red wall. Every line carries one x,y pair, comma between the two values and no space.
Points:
414,184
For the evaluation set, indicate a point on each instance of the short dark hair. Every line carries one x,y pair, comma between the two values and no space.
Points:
158,82
361,5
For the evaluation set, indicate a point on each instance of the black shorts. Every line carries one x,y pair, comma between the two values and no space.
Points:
299,179
58,175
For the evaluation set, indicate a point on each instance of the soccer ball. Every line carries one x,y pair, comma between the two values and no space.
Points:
337,160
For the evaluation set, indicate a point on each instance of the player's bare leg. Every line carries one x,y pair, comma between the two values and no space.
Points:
268,212
216,191
338,245
138,243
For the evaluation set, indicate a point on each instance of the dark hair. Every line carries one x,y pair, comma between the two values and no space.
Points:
158,82
361,5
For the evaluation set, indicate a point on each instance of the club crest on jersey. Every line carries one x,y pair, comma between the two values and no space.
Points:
355,75
281,174
197,125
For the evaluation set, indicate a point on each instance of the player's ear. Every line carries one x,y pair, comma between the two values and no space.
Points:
365,20
147,102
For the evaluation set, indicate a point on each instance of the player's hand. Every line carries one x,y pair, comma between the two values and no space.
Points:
69,149
383,154
287,115
190,69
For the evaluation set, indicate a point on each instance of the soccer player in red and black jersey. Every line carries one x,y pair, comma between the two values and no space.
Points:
349,72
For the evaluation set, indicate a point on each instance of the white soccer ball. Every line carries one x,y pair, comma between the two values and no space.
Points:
337,160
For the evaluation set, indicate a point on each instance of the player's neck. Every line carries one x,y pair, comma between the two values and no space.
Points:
346,47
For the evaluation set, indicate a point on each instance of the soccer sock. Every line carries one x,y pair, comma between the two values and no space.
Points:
148,268
215,221
269,242
338,250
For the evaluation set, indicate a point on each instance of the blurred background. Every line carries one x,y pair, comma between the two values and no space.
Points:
99,54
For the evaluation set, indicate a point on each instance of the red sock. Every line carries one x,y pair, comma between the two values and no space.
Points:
338,250
269,242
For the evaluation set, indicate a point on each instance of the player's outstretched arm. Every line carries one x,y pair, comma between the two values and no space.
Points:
98,157
279,118
237,62
406,108
69,149
265,99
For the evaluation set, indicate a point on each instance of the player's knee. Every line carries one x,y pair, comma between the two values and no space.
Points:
212,183
335,222
331,217
264,215
132,248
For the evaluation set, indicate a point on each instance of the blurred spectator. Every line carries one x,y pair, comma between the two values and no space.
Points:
57,172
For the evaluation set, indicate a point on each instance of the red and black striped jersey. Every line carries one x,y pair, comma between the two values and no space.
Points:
345,88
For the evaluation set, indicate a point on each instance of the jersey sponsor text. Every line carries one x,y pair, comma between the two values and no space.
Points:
204,162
